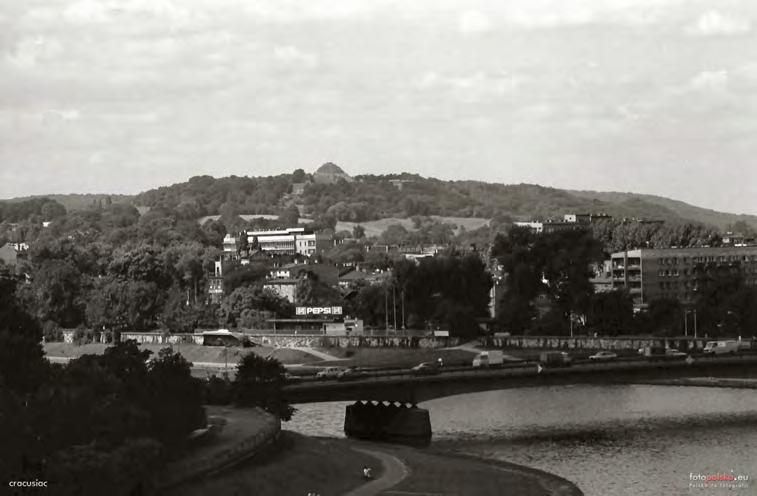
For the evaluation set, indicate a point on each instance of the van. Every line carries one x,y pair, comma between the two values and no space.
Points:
721,347
492,358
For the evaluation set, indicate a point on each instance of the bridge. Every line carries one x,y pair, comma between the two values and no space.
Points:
386,404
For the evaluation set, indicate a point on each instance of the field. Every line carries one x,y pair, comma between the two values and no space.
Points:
376,227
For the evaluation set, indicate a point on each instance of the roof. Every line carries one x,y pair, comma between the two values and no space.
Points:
330,168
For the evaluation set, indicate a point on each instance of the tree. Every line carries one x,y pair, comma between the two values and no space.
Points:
611,313
116,305
175,405
22,365
259,382
56,293
290,216
358,232
313,292
244,304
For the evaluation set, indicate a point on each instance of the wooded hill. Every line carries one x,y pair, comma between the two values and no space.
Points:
372,197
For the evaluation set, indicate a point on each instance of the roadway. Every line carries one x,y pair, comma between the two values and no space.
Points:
404,386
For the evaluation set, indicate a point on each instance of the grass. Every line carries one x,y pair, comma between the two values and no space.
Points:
396,358
192,352
295,465
376,227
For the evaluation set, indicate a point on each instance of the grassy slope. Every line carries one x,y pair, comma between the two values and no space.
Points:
296,466
376,227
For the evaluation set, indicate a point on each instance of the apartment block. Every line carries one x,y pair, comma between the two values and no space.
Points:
676,273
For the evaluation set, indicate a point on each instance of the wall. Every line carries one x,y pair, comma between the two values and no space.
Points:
591,343
292,341
161,338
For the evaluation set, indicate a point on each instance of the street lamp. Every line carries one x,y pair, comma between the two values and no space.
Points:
686,322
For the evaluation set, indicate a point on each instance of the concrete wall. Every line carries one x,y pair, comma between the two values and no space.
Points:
161,338
591,343
296,341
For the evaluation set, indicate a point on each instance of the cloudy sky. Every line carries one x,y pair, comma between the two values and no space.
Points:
651,96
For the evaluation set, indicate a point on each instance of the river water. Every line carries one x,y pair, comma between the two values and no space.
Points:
609,440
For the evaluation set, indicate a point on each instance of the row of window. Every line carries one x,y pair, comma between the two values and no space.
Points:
708,258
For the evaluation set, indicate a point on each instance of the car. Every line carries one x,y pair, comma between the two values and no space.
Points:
291,377
425,368
602,356
672,352
351,374
328,373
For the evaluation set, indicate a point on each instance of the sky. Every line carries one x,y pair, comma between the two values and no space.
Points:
121,96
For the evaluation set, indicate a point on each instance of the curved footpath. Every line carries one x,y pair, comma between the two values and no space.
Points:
431,473
244,459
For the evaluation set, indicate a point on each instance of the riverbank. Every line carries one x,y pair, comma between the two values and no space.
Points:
298,464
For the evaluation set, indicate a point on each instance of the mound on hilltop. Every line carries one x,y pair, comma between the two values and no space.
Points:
330,173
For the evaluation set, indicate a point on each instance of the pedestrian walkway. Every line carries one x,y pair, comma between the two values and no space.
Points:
394,472
471,346
318,354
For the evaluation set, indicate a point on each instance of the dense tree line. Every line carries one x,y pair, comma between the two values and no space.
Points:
96,426
547,287
449,292
39,209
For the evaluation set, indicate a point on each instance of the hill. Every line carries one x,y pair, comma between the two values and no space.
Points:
76,201
367,198
681,209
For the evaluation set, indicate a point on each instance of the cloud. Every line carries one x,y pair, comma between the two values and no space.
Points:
714,23
30,52
710,81
474,22
477,87
293,56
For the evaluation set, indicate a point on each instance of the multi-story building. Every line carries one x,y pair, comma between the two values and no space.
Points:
290,241
569,222
215,283
676,273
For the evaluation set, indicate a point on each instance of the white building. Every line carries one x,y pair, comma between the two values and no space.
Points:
290,241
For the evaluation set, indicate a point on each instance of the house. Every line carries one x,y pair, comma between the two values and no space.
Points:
11,254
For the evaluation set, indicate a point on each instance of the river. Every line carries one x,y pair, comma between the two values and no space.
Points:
609,440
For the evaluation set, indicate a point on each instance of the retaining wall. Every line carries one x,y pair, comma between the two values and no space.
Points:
205,463
592,343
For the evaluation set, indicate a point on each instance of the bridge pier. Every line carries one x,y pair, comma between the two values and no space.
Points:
392,422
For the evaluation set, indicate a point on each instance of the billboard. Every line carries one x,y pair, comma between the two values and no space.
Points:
318,311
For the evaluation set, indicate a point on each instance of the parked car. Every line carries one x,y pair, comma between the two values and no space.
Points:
425,368
291,377
674,353
602,356
351,374
328,373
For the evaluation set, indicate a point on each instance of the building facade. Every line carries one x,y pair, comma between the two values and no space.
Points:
290,241
676,273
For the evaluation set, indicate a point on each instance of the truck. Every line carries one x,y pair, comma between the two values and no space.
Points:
554,358
723,347
493,358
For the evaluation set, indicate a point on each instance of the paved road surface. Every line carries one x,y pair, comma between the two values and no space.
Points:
394,472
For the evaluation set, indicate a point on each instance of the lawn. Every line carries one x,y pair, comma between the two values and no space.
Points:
376,227
396,358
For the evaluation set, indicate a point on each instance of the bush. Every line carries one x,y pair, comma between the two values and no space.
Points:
217,391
